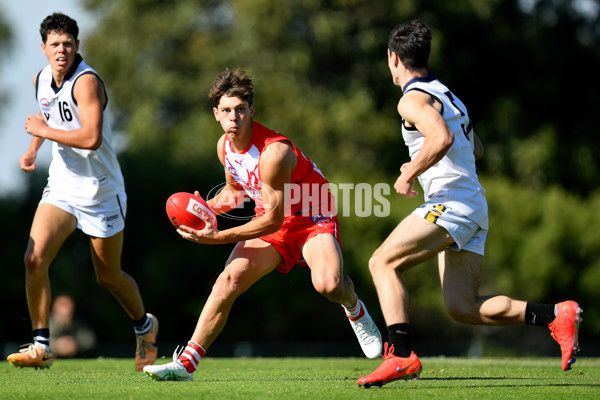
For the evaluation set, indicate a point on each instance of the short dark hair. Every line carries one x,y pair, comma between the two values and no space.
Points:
60,23
232,84
411,41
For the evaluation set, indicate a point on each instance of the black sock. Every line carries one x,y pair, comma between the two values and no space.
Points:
539,314
399,337
142,325
42,336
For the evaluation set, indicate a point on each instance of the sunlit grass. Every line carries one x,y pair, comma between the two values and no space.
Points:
306,378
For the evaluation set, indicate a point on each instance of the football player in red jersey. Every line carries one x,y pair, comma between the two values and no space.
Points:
262,163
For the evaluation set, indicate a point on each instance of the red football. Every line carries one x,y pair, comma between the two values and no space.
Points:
185,209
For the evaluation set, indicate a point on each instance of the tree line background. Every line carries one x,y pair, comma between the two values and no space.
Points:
527,71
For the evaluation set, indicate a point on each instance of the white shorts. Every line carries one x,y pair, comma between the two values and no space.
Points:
100,220
466,233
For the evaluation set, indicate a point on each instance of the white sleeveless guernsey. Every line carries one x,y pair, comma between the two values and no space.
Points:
85,177
453,180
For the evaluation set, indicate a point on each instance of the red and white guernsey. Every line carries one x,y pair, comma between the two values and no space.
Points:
243,167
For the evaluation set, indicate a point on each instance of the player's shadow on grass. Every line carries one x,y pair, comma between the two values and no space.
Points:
542,382
403,385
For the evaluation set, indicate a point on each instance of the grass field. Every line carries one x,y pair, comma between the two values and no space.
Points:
307,378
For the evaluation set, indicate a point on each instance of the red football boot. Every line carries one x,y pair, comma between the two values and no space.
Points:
392,368
565,330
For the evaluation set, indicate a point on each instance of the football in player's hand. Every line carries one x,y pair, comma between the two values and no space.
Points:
186,209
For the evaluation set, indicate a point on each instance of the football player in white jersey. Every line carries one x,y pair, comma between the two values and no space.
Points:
451,224
85,190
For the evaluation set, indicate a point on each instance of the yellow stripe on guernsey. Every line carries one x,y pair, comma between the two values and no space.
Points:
435,213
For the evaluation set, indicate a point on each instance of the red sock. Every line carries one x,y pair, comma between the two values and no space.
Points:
191,356
356,312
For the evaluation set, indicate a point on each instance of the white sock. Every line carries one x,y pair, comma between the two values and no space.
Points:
355,311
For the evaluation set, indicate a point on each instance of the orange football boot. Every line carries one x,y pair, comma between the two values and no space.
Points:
565,330
392,368
31,356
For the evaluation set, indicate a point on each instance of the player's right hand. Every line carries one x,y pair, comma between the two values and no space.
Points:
207,235
404,186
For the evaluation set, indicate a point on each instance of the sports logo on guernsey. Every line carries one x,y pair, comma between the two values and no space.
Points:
233,172
45,104
197,208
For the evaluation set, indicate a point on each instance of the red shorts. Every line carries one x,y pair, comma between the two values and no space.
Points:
295,232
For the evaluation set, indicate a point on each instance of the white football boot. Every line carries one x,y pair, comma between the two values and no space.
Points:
367,333
173,371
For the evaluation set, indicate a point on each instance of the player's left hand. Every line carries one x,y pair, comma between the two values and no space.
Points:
35,125
207,235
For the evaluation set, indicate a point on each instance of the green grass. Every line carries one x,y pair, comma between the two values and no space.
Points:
307,378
